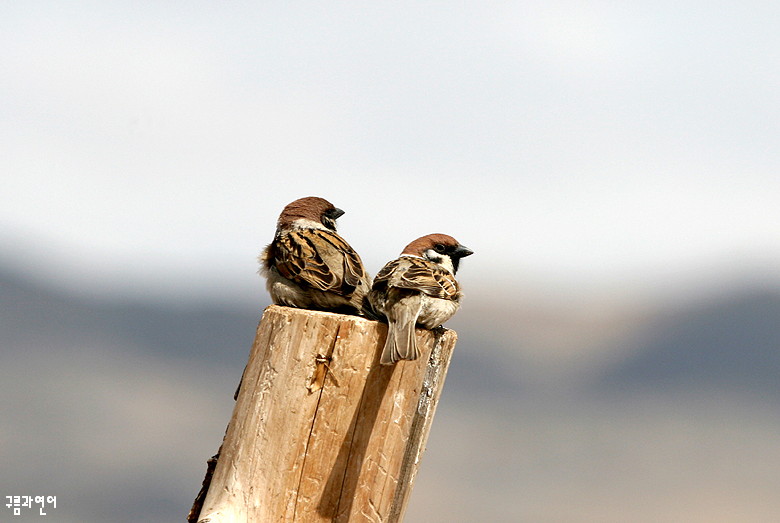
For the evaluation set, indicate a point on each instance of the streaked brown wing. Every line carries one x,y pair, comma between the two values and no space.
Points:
382,278
344,255
321,259
418,274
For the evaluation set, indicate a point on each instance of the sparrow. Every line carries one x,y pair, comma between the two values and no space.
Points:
309,266
417,288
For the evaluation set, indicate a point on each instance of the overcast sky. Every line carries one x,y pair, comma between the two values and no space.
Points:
600,144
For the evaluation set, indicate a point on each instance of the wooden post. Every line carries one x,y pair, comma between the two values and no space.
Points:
321,431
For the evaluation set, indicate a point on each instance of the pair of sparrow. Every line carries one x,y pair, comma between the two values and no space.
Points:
308,265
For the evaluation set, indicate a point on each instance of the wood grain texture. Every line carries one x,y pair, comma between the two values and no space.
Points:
321,431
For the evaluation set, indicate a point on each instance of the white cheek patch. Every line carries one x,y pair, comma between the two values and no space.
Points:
442,259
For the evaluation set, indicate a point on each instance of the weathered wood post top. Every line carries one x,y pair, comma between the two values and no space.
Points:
321,431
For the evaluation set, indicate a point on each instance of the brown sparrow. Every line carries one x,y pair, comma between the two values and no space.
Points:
308,265
417,288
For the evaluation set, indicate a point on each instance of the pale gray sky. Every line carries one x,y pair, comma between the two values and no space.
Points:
152,145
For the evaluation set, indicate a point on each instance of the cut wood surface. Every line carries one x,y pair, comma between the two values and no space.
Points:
321,431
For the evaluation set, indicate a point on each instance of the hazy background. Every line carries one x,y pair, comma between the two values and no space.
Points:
613,166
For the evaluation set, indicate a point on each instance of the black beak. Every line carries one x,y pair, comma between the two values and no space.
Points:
462,251
333,213
330,216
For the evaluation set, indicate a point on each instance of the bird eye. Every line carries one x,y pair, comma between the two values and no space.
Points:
439,248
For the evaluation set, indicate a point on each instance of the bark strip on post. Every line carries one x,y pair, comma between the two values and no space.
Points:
320,430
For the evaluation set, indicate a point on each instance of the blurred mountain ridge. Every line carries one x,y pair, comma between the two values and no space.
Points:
564,405
37,312
731,339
